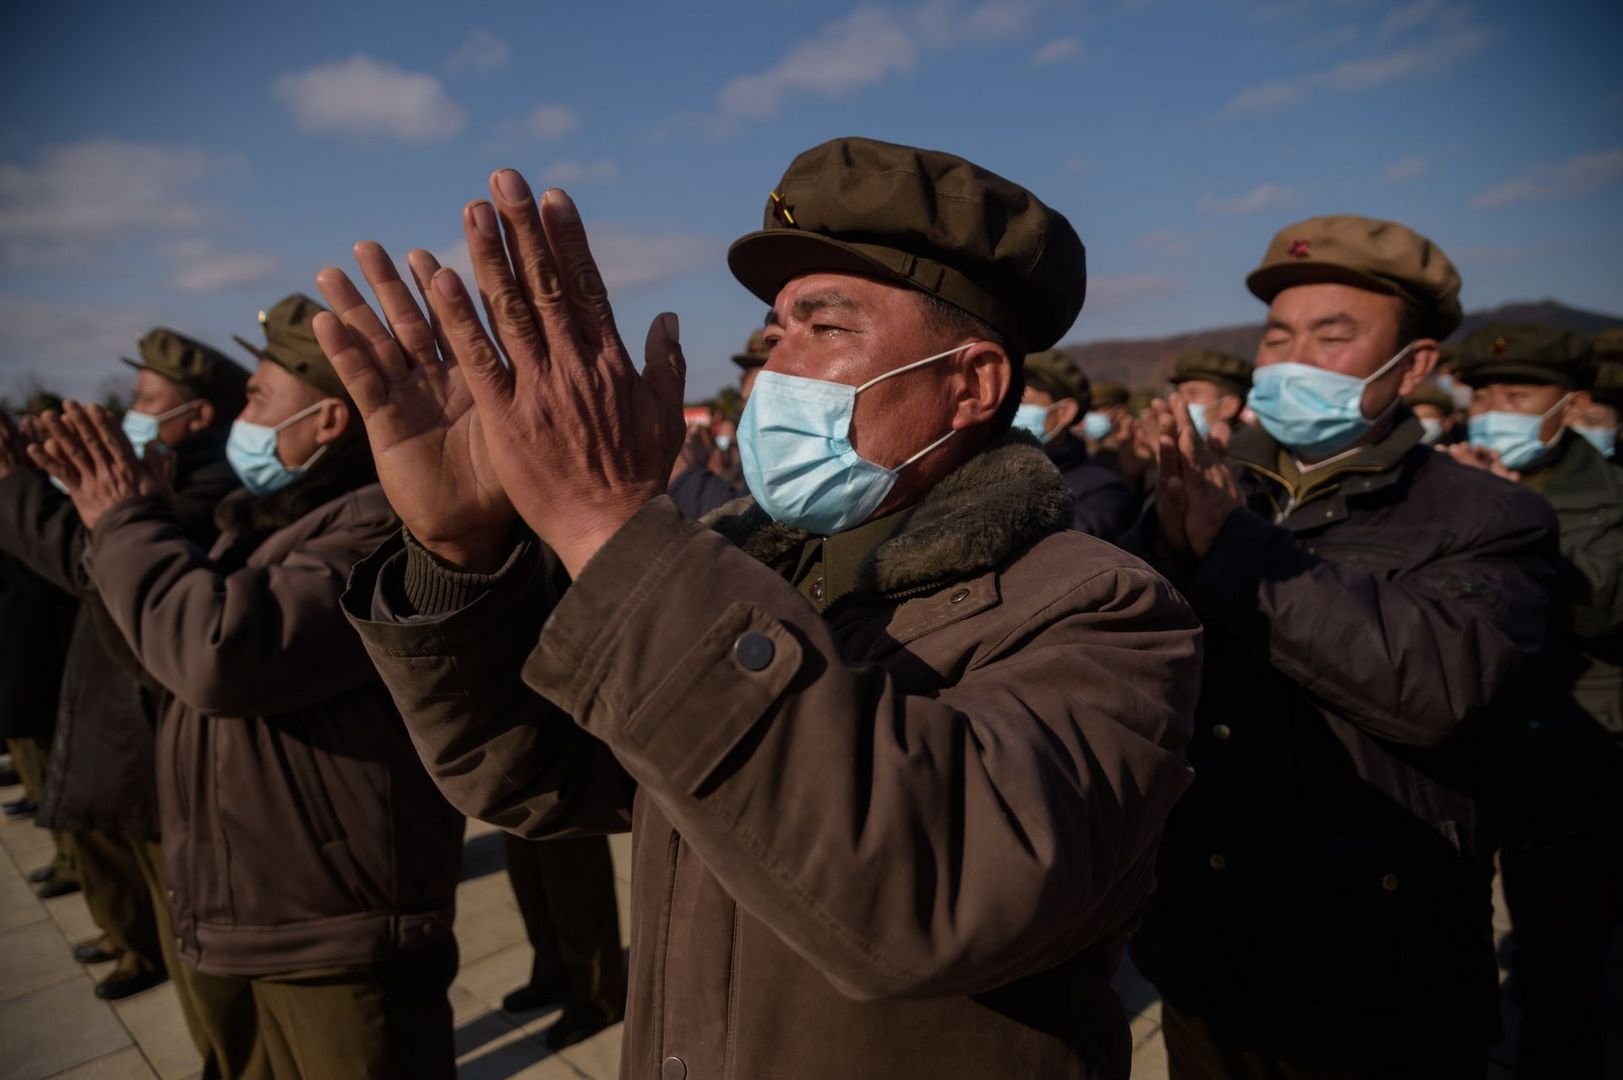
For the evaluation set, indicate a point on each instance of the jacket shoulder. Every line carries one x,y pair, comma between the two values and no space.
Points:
1066,571
1477,502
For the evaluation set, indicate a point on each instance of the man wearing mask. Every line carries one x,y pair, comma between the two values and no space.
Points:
100,788
894,744
1563,857
1323,907
1600,423
1057,392
310,863
1434,408
1214,385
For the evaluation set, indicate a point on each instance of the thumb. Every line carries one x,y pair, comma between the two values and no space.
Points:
665,369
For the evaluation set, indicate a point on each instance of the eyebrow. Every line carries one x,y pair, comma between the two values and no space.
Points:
808,306
1340,319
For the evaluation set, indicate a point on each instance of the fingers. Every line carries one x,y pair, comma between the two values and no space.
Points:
114,443
582,281
79,421
50,457
365,328
406,322
665,369
1218,438
423,267
352,360
489,380
1188,439
530,251
507,302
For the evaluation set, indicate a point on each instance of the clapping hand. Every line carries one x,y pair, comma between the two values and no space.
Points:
1195,489
90,454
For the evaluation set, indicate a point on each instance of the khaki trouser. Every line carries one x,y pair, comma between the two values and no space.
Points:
565,892
29,756
119,899
378,1022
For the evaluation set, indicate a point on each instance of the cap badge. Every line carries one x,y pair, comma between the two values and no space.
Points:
781,211
262,320
1499,345
1300,249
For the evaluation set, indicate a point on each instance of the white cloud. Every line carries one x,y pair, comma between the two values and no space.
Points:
366,97
1261,197
1409,168
200,268
481,52
69,348
866,47
1454,39
1169,241
573,173
1112,292
1570,179
1057,51
551,121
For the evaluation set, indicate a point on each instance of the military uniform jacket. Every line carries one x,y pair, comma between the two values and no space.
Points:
903,837
1324,887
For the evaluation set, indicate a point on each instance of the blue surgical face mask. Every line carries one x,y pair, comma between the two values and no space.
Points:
1034,418
1198,417
794,442
1311,411
1603,439
1513,435
251,450
142,428
1097,425
1434,430
724,443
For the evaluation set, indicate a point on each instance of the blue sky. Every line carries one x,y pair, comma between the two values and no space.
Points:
187,164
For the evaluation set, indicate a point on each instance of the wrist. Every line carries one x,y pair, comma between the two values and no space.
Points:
478,553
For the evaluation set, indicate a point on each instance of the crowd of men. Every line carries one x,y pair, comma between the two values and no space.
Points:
928,685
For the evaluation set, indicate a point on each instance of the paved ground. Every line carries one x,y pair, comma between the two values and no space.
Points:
51,1025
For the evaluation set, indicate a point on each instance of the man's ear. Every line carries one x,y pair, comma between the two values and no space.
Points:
1066,412
1422,362
1228,408
987,375
200,418
332,421
1576,405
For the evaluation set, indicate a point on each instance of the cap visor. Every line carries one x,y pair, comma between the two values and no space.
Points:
136,364
259,353
764,262
1267,282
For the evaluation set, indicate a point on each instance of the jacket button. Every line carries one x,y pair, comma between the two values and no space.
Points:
959,597
1221,732
1390,883
816,590
1217,862
674,1068
170,893
754,651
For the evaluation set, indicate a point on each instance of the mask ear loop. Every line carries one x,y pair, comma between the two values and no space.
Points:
906,368
295,418
179,410
1386,367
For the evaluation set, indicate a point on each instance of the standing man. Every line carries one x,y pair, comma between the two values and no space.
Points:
1324,905
311,865
1563,857
894,744
1056,394
101,788
1434,408
1214,385
1600,423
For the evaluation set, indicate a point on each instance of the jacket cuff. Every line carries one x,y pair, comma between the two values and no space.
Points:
433,588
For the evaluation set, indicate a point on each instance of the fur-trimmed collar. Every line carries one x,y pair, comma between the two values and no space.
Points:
243,512
995,504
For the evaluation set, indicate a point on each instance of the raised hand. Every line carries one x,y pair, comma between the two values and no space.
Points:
425,434
1480,457
1196,490
578,437
13,448
86,450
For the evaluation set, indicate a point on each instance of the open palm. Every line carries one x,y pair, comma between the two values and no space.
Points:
420,418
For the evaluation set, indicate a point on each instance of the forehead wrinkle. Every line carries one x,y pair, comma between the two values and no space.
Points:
807,306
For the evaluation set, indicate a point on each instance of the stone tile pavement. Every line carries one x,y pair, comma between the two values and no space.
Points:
52,1025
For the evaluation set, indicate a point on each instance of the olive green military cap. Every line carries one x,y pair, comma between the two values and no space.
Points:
1058,371
1232,373
190,364
1382,256
1107,395
1522,352
927,220
1429,393
754,354
1608,348
290,341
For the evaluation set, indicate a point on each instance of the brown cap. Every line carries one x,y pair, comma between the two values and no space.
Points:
754,354
923,219
1608,388
1382,256
290,340
1522,352
1107,395
1057,372
201,369
1232,373
1429,393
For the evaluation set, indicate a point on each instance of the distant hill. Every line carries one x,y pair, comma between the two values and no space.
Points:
1148,361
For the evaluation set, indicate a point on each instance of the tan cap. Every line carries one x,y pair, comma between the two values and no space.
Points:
1382,256
290,340
201,369
754,354
1107,395
1525,352
1230,372
1058,372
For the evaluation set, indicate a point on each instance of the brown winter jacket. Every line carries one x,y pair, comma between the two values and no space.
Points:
903,837
299,828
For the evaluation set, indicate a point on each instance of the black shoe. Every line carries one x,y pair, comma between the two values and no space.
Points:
116,987
527,998
16,808
56,887
92,952
41,875
579,1022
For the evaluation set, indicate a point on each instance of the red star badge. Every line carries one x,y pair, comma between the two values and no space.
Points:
1300,249
781,211
1499,345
